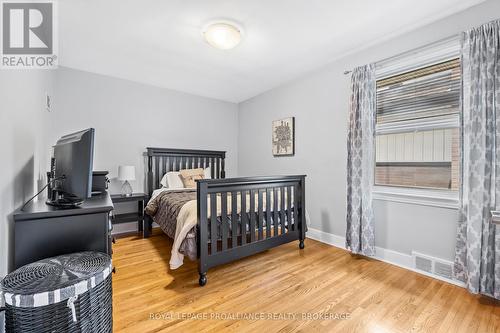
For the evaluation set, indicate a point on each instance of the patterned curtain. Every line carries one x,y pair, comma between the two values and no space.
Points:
360,236
477,259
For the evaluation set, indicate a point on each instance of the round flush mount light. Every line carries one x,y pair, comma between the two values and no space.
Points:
222,35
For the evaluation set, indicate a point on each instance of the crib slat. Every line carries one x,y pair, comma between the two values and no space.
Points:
268,212
261,215
289,208
223,170
275,211
295,205
224,220
163,166
171,164
157,173
252,216
217,168
212,168
234,218
244,217
282,210
213,222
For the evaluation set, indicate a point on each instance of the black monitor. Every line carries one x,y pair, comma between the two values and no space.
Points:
74,157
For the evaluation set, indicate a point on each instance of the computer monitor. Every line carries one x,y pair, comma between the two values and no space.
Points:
74,157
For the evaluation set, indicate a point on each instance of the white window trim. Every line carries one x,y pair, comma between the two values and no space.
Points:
443,50
440,51
417,196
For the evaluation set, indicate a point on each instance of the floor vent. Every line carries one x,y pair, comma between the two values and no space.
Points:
424,264
433,265
444,269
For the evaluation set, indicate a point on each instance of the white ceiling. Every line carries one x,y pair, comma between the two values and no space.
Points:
159,42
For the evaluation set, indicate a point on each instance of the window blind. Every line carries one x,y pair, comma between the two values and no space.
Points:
427,92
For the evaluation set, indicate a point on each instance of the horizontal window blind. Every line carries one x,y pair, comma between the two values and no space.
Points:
432,91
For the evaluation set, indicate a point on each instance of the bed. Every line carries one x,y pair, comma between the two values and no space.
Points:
253,214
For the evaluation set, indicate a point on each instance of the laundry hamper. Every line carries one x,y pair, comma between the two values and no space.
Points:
68,293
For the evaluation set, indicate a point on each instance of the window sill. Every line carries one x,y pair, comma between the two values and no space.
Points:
417,196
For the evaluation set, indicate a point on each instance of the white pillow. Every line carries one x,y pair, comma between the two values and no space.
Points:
207,173
174,179
163,181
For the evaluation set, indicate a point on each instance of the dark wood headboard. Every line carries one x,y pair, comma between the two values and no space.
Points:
163,160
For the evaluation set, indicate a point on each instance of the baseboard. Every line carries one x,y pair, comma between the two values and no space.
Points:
325,237
389,256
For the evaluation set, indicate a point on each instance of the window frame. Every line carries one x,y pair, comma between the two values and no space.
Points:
438,52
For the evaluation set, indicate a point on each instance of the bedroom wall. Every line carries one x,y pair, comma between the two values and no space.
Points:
129,116
24,148
319,101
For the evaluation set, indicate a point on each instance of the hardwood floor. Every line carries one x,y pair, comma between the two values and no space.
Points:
325,288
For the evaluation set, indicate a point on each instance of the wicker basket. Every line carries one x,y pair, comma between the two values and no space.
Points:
69,293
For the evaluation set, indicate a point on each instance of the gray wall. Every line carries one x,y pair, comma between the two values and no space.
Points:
319,101
128,117
24,148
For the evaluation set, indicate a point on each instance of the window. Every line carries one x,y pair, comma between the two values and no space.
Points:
417,135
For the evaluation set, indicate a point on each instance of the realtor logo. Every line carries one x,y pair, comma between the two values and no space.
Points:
28,32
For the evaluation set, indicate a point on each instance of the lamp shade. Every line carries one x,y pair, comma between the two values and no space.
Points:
126,172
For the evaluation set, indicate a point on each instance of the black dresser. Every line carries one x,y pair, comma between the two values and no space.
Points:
42,231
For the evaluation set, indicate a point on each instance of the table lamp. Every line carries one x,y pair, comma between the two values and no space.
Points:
126,173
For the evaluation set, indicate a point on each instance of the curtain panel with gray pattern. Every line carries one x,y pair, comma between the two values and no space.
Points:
360,236
477,259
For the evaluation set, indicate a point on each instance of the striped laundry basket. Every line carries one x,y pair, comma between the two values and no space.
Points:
68,293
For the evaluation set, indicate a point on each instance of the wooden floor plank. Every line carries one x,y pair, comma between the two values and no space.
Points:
319,289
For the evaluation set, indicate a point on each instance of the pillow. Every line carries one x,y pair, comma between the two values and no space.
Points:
207,173
174,180
163,181
189,177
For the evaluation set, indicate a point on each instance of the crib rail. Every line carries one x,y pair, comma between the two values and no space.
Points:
252,214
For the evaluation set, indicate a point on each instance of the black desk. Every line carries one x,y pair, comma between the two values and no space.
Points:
42,231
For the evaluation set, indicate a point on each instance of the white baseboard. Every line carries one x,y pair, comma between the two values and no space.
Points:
325,237
389,256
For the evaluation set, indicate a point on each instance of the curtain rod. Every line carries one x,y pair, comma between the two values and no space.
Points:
412,51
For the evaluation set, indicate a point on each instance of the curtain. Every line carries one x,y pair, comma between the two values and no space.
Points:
477,258
360,236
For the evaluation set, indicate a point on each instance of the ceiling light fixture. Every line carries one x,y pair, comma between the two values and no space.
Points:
222,35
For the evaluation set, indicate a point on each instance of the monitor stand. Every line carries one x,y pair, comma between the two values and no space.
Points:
62,199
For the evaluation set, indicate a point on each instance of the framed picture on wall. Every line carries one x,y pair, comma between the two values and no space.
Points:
284,137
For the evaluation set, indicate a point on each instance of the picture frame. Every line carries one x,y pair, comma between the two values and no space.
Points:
283,137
